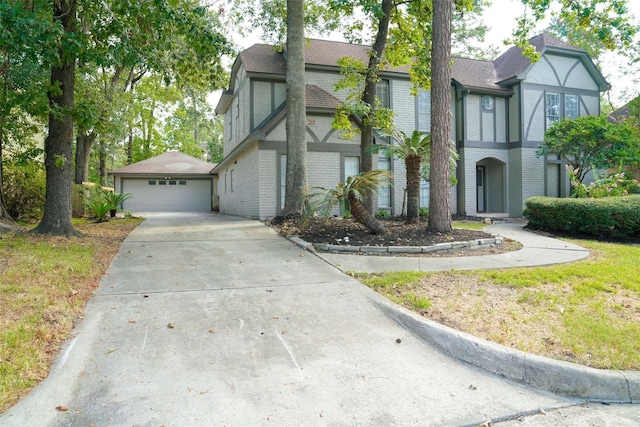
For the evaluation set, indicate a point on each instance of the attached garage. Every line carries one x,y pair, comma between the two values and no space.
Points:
170,182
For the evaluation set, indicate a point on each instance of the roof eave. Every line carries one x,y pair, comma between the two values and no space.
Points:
252,138
155,174
483,90
224,102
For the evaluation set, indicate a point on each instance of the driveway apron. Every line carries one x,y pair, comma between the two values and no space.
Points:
212,320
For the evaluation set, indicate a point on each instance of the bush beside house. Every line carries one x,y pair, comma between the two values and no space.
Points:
607,217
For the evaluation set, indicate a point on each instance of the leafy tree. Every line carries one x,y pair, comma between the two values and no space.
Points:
179,135
348,198
116,43
383,16
58,145
28,39
591,142
24,187
608,20
403,28
126,41
150,95
615,184
215,143
296,173
320,17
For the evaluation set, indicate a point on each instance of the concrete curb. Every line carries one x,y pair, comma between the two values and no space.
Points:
469,246
569,379
560,377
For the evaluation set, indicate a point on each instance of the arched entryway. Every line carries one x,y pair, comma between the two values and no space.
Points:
491,186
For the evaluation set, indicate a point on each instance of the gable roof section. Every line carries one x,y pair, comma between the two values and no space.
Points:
511,64
476,74
319,98
265,59
488,76
169,163
624,112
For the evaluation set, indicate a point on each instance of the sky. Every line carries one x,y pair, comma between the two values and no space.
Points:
501,17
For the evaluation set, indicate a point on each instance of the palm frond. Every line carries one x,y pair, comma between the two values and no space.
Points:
322,201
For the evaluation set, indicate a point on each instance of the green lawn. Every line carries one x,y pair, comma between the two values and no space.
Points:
586,312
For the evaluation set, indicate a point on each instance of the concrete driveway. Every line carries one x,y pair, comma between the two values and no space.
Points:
211,320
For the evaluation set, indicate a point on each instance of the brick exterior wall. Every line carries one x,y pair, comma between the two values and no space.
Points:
242,200
513,169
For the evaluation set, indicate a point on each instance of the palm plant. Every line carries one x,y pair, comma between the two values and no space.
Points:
413,149
348,197
114,200
98,208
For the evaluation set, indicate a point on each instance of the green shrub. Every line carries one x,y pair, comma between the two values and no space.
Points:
383,213
98,209
115,200
24,189
614,184
608,217
424,212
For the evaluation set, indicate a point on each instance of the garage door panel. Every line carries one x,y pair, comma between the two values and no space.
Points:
184,195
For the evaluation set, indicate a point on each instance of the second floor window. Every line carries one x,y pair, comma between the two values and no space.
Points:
423,111
382,93
552,108
561,106
571,106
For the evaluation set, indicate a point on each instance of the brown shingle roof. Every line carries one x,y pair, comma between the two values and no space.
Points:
262,58
170,163
320,98
475,73
512,62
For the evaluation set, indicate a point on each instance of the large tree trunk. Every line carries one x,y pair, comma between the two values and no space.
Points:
102,154
130,146
84,142
369,94
364,217
440,200
58,145
296,174
412,164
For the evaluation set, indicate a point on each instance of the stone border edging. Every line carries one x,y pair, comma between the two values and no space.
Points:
560,377
379,250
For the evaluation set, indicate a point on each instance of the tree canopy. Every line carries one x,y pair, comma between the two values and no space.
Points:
115,44
592,142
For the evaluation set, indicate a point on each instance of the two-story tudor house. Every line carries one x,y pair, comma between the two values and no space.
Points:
501,110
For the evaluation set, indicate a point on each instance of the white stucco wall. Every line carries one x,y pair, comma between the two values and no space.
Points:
556,70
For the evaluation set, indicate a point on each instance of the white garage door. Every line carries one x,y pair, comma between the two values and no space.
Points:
167,195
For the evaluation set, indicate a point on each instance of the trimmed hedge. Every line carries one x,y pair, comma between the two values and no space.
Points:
614,217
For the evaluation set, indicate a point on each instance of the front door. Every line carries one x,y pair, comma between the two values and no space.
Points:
481,172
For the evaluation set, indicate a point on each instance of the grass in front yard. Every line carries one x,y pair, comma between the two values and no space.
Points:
586,312
468,224
45,283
